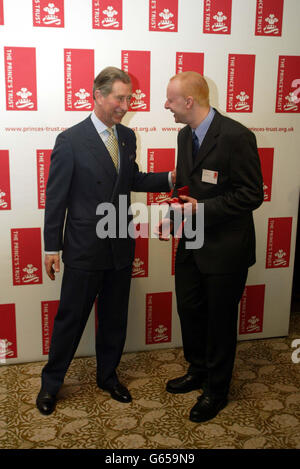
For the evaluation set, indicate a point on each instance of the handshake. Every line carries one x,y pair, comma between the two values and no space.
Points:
183,207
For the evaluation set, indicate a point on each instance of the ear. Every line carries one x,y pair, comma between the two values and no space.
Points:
98,96
189,102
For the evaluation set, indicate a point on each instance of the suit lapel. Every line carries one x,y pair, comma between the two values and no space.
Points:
209,141
122,146
98,149
186,147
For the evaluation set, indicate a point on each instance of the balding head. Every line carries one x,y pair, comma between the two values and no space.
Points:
193,84
188,98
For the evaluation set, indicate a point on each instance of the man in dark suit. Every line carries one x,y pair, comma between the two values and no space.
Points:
219,162
92,169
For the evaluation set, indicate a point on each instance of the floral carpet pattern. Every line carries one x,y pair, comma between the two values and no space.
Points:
263,410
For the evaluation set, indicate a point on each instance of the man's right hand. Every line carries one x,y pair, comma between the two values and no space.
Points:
52,265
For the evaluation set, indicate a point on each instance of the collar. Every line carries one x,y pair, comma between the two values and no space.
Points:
204,125
100,126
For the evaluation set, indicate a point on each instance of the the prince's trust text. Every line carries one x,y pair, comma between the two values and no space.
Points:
179,220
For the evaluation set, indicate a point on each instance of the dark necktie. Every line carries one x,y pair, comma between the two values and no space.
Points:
195,145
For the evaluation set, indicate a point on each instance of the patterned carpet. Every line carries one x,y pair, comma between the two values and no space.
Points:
263,409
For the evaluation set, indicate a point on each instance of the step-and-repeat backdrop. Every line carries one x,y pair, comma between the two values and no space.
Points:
50,52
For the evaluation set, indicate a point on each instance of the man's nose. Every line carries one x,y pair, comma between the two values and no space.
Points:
167,104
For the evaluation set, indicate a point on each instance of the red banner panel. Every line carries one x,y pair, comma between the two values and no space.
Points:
49,310
288,84
190,61
43,158
26,256
160,159
20,77
252,309
217,16
8,334
163,15
79,78
107,15
1,13
5,203
269,14
266,156
137,65
279,242
48,14
240,83
158,317
141,256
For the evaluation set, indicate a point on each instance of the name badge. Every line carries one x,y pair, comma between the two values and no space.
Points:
209,176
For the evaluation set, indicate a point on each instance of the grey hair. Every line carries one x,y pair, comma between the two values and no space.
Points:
105,79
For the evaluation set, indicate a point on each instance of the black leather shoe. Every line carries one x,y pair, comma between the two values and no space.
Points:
184,384
45,402
119,393
207,408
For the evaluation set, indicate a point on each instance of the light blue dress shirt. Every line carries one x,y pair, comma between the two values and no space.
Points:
202,128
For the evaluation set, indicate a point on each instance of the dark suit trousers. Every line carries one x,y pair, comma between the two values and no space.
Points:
208,310
78,293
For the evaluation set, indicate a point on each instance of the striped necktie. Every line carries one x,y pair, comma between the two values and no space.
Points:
112,146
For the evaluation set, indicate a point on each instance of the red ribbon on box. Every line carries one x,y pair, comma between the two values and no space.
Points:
176,200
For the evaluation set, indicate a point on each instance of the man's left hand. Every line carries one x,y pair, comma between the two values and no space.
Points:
189,206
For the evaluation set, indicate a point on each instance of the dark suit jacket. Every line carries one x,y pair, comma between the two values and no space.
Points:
229,237
81,176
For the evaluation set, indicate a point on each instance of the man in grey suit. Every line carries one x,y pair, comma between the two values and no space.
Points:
219,162
93,163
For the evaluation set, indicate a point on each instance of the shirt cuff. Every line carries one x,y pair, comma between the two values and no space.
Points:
170,181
